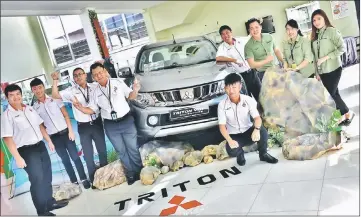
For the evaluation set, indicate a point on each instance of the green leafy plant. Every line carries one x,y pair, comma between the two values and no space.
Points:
112,156
323,125
275,136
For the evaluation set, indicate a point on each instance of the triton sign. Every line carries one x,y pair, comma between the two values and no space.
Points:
203,180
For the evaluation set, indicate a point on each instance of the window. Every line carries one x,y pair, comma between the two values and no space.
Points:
177,55
121,30
66,38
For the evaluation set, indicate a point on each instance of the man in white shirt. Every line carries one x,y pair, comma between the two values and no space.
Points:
231,51
234,116
58,126
90,127
23,131
110,96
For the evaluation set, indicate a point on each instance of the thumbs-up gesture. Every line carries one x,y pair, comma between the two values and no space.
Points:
136,85
55,75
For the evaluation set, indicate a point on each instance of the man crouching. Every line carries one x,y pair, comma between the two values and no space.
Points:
234,116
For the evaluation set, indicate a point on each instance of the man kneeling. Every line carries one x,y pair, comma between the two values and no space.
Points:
234,116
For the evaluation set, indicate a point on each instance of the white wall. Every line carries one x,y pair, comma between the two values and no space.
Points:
20,57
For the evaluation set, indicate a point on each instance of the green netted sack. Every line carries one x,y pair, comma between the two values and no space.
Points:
293,102
163,153
311,146
305,111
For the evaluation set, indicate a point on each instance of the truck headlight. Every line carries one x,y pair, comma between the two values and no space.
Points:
220,87
144,100
153,120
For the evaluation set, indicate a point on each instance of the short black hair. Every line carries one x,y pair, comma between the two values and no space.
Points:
224,27
95,65
11,88
252,20
78,68
36,82
232,79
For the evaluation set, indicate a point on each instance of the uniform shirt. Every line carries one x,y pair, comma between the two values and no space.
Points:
331,44
119,91
77,91
301,50
235,51
23,126
50,112
259,50
237,117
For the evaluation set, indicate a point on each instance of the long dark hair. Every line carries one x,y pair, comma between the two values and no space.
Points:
314,29
293,23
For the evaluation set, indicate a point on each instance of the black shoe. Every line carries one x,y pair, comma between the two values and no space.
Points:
348,121
240,159
86,184
59,205
47,214
268,158
93,187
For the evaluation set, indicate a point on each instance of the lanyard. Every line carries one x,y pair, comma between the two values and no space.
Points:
292,48
86,98
109,96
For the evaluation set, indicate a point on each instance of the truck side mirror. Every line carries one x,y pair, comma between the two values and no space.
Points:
125,72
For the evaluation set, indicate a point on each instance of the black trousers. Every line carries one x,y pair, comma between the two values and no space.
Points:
38,169
89,132
65,147
252,82
330,81
260,75
245,139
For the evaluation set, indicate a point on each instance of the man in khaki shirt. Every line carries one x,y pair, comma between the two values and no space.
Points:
260,48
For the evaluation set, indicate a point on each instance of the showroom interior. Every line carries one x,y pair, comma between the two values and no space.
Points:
42,37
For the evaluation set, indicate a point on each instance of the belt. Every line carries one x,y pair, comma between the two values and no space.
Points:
31,145
89,122
119,119
60,132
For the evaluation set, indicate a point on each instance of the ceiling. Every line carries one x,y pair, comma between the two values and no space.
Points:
41,8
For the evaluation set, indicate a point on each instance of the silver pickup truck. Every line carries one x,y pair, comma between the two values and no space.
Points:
181,86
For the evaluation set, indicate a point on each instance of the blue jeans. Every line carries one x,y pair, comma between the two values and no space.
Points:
123,135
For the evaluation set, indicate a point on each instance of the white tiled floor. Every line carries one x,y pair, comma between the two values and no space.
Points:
324,186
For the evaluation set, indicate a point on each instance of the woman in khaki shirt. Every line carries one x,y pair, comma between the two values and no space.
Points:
297,53
328,46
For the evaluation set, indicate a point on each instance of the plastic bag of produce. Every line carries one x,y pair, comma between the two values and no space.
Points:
149,175
163,152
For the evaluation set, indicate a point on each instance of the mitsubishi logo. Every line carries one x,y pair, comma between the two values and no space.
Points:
177,201
187,95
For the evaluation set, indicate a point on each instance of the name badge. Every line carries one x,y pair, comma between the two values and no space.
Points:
93,116
114,115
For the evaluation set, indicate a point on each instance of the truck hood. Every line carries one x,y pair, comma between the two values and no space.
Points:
181,77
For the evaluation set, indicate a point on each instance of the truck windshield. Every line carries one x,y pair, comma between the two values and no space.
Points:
177,55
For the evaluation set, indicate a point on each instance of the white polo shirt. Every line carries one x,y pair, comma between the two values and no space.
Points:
81,94
119,91
23,125
237,117
235,51
50,112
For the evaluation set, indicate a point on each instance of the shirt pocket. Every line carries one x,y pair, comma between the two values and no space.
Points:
259,52
53,108
21,123
230,115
